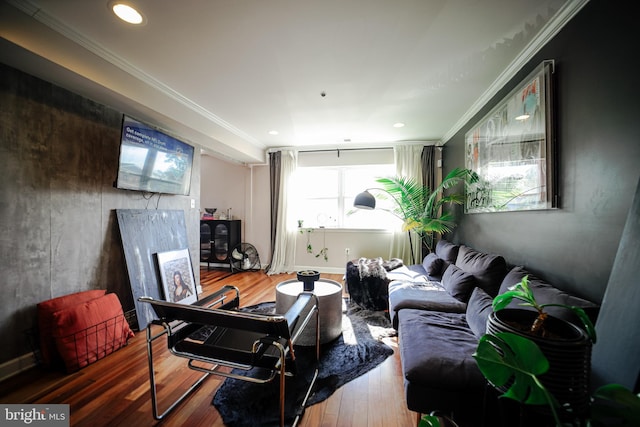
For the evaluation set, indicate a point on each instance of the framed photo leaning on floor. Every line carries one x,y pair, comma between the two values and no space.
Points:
177,277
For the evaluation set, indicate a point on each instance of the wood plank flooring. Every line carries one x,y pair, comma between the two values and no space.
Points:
115,391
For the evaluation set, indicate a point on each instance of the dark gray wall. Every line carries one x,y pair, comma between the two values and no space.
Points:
58,228
598,131
616,355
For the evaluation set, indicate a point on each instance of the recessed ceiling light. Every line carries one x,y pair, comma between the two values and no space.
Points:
127,13
522,117
273,132
398,125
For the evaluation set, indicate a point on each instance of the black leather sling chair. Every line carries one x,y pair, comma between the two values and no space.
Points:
237,340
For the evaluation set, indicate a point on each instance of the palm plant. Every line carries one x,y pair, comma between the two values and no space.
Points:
421,209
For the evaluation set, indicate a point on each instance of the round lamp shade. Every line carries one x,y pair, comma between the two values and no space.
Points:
364,200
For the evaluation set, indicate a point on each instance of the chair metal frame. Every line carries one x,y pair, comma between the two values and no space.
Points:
272,336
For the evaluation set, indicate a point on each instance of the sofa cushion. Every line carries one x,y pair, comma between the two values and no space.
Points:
421,296
458,283
89,331
45,310
433,264
479,308
447,250
436,350
545,293
488,269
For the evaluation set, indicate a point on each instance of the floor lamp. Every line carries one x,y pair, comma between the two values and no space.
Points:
367,201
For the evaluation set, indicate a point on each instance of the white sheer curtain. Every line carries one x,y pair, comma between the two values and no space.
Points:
409,165
285,243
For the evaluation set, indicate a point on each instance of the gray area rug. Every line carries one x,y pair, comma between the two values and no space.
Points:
358,350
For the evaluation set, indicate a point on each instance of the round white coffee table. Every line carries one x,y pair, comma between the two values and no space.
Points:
329,294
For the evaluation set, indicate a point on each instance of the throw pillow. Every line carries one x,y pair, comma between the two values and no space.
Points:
489,269
447,250
478,310
45,309
89,331
433,264
458,283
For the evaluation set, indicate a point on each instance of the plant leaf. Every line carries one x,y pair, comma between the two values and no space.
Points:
505,357
582,315
503,300
519,291
429,421
586,322
615,405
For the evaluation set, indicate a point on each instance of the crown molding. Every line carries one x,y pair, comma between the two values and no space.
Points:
97,49
548,32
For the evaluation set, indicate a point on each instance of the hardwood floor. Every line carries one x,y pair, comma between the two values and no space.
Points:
115,390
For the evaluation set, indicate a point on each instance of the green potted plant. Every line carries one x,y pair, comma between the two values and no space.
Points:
421,208
536,359
436,420
514,364
521,291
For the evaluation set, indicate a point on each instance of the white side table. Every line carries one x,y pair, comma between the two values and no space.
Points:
329,293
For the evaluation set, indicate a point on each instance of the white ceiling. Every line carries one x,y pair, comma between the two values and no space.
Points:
223,73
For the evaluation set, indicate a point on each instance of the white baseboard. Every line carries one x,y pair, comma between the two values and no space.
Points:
15,366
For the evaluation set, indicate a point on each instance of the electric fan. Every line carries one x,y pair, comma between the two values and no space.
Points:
244,257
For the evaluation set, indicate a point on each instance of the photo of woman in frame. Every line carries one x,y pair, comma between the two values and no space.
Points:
177,276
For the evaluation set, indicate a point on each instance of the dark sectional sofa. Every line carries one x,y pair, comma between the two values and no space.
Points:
440,309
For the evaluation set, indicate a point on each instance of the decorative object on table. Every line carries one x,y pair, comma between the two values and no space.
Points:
244,257
419,208
177,277
556,349
308,279
209,213
356,352
512,149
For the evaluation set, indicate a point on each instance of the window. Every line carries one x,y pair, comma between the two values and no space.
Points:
326,195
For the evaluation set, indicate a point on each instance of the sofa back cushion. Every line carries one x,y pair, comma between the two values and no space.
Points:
433,265
478,310
458,283
488,269
447,251
545,293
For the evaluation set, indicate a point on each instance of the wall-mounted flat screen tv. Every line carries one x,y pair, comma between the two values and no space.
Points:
153,161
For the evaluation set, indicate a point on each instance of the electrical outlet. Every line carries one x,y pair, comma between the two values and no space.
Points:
346,251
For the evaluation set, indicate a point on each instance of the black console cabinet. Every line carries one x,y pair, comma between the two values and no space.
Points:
224,235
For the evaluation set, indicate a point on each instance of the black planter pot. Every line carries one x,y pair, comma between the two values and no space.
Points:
569,355
308,279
